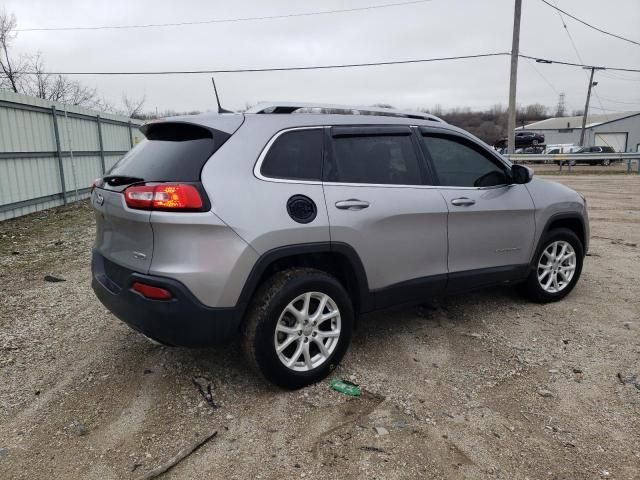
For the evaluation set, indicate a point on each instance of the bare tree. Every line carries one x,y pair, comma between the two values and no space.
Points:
11,67
57,88
133,106
535,111
27,74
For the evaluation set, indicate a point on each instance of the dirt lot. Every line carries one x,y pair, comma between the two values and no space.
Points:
476,386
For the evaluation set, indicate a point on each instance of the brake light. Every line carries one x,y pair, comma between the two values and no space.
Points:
166,196
96,183
154,293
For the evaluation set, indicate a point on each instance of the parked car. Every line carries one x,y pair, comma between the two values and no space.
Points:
558,148
285,228
600,150
523,139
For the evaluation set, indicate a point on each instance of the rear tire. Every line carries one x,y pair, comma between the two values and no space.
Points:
298,327
606,162
556,268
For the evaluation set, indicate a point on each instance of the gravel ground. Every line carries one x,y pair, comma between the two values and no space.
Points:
485,385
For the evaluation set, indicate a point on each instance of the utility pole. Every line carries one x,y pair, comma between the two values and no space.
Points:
586,105
515,50
561,107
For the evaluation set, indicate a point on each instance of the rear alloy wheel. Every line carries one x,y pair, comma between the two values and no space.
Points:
307,331
606,162
298,327
557,267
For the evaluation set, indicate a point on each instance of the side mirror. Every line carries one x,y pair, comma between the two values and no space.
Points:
521,174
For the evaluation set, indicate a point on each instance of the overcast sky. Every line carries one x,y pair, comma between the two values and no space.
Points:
432,29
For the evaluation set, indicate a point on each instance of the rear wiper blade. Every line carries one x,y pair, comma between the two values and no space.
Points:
117,180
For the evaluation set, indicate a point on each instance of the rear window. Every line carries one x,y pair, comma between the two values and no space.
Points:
171,152
295,155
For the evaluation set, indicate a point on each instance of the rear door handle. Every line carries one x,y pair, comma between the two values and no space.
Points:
352,204
463,202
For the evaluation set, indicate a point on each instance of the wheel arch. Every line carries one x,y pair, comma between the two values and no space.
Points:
337,259
570,221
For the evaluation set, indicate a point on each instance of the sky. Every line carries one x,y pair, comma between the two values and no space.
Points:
436,28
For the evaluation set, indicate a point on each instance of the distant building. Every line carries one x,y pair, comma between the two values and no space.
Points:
618,130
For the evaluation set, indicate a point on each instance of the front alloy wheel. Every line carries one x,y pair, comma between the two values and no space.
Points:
556,266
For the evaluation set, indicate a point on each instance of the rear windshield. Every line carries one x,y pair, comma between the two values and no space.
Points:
171,152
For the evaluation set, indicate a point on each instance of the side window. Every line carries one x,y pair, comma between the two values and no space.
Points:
458,164
295,155
375,159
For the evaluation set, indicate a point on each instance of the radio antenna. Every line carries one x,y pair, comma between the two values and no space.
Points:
215,90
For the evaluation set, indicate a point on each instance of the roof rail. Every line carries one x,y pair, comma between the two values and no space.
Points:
294,107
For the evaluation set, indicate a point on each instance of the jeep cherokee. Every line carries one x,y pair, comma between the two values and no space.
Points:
286,223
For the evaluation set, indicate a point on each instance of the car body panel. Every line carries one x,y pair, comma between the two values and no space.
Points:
203,253
123,235
552,199
401,236
495,231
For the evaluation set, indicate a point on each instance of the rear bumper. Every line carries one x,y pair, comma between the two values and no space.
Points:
182,321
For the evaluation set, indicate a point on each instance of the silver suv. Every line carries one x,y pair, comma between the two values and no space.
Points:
287,223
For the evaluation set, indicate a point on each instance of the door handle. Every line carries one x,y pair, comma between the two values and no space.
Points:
463,202
352,204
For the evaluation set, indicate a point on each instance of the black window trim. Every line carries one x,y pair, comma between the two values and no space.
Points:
342,131
263,154
490,155
416,131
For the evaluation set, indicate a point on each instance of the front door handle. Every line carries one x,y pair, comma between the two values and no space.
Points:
352,204
463,202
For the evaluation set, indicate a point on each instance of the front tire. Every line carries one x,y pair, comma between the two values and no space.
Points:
298,327
556,268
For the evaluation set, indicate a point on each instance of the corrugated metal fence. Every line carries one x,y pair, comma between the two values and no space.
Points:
50,153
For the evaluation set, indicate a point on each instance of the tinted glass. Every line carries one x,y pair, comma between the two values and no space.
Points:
377,159
295,155
459,164
170,153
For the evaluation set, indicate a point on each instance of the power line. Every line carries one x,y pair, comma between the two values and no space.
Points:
555,90
279,69
560,62
624,102
551,85
610,110
326,67
589,25
613,76
589,76
223,20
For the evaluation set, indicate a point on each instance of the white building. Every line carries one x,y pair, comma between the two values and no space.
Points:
618,130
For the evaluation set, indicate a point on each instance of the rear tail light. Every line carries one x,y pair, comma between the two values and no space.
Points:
166,196
154,293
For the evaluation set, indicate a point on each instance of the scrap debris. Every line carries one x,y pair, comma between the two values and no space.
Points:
181,455
203,385
629,379
346,387
51,278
